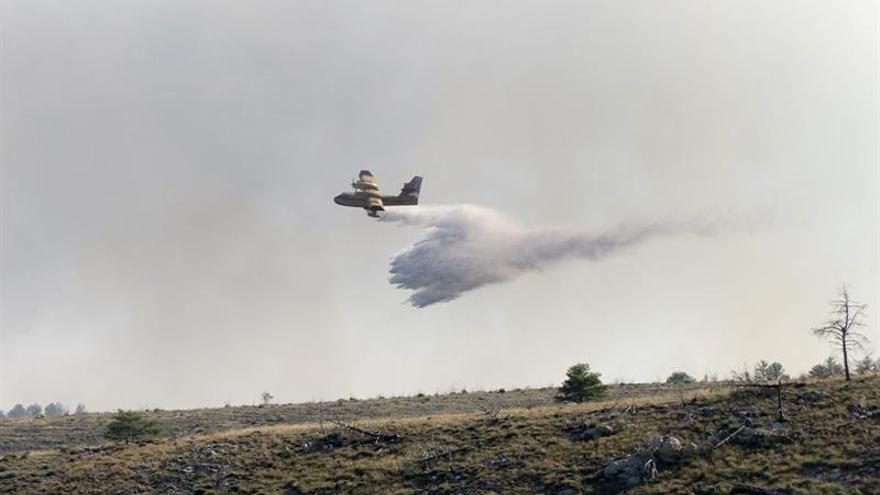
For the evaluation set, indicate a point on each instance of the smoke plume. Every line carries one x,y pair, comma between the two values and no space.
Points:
466,247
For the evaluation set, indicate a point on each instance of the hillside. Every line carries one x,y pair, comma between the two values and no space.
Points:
725,442
17,435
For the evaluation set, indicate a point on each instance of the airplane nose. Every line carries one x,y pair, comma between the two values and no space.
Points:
338,199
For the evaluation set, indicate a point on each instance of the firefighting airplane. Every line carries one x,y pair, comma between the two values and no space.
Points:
366,194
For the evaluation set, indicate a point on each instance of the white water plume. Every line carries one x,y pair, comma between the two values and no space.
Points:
466,247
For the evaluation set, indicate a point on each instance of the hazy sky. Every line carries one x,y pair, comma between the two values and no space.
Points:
169,237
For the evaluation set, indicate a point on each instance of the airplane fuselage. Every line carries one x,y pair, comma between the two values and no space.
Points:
358,199
366,195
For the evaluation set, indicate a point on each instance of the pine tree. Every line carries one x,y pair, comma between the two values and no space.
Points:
581,384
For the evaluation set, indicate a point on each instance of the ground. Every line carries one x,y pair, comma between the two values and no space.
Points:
727,440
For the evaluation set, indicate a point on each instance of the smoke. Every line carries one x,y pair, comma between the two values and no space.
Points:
466,247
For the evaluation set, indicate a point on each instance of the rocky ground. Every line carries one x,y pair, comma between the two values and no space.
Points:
714,442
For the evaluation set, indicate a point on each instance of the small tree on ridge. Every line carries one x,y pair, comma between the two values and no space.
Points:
131,426
581,384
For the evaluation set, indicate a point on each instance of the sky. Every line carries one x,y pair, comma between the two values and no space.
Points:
168,236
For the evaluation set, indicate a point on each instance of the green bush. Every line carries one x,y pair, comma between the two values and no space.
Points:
131,426
680,378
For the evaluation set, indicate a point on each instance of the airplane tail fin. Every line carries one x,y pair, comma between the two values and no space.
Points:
411,189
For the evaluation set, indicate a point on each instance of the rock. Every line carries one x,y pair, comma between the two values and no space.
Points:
762,437
628,471
7,475
812,396
291,489
667,448
707,410
598,432
590,432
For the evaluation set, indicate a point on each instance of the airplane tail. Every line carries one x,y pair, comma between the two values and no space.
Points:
411,189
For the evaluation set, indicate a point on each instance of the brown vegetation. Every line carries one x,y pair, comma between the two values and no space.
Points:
732,443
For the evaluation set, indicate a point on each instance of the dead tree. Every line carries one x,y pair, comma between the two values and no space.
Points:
840,329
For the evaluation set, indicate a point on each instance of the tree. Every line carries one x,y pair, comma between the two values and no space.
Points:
741,377
34,410
130,426
80,408
769,372
17,411
867,366
581,384
56,409
680,378
841,329
267,398
830,367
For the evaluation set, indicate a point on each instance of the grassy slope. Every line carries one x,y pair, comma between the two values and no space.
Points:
826,449
46,433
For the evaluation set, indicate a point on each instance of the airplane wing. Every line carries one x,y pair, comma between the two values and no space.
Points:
365,182
409,195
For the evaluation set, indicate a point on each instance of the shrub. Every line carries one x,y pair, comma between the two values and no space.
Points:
131,426
680,378
581,384
828,368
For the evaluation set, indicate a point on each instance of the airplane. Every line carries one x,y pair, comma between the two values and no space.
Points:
366,194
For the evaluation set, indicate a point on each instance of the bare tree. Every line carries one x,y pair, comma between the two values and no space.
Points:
267,398
840,329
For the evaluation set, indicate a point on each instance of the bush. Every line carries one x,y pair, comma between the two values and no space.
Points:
131,426
829,368
680,378
581,384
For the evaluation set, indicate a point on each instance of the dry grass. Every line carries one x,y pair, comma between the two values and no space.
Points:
33,434
827,449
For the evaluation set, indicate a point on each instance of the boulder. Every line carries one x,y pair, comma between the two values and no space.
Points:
628,471
667,448
597,432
